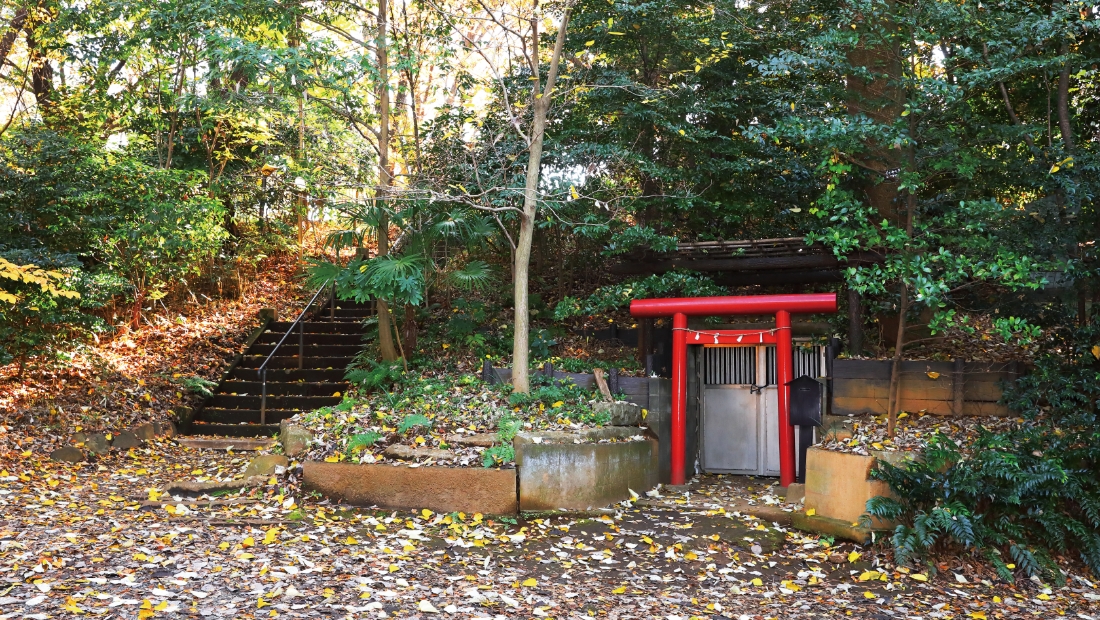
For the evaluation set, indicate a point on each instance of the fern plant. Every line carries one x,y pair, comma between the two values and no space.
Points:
412,421
1017,498
362,440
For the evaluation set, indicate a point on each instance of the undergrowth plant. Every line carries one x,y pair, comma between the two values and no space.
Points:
1018,498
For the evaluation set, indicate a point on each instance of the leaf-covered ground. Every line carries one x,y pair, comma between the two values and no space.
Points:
132,377
100,540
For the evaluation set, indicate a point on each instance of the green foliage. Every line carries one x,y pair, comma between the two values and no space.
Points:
199,385
541,340
586,365
507,428
414,420
1021,496
378,375
362,440
616,296
498,455
37,309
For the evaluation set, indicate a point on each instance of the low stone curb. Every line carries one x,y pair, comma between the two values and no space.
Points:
103,443
215,486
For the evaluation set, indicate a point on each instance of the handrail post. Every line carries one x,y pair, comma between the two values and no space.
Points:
263,397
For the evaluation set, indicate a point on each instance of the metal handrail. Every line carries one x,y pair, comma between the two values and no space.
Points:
261,373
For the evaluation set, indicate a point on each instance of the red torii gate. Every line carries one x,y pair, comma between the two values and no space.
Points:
782,306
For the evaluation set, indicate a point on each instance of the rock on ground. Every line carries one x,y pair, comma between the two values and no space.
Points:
265,465
294,438
67,454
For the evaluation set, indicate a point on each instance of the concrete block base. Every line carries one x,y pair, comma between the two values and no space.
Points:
557,474
442,489
838,484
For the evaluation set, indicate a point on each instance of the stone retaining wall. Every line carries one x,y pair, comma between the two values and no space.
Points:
442,489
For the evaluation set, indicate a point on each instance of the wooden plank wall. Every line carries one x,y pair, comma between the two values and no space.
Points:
636,389
862,386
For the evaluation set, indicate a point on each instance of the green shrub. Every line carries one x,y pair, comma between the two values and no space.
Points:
1017,497
376,375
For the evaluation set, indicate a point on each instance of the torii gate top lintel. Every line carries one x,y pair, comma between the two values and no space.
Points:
780,305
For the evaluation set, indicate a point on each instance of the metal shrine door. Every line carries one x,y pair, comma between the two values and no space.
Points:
740,406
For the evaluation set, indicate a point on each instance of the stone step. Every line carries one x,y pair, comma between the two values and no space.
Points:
235,430
277,388
291,375
290,349
224,443
252,401
280,361
231,417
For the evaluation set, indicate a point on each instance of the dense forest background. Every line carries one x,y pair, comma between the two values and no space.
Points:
155,151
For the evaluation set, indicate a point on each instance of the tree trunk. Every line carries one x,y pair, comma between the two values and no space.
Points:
385,178
895,370
1063,102
14,27
521,272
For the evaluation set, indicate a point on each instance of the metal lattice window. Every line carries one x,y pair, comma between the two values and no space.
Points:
807,361
730,366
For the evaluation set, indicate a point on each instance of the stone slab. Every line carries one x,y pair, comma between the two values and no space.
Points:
239,443
442,489
562,475
836,528
478,440
409,453
213,486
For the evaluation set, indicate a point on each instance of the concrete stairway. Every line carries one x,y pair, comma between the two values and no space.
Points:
331,340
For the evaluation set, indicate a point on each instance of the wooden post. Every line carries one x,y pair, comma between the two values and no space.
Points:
958,383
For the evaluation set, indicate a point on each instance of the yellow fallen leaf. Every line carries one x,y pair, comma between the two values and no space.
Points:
876,445
351,541
919,577
161,606
869,575
271,536
394,568
977,615
145,613
869,594
332,459
933,375
1010,566
146,604
530,582
619,590
1043,597
853,556
245,556
757,582
427,514
261,603
690,556
1096,351
811,512
248,542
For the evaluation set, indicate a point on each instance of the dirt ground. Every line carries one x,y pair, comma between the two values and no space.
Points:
98,540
